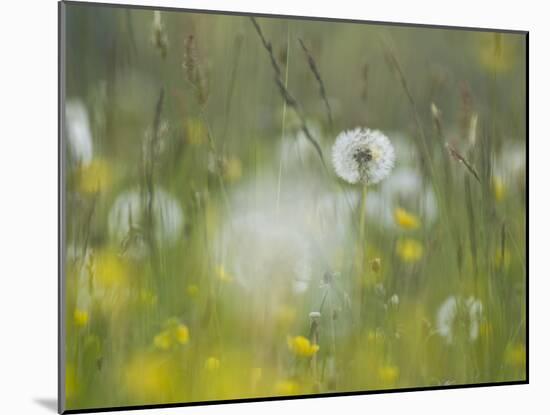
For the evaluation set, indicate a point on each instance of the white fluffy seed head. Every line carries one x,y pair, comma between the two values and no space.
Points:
315,315
362,156
457,312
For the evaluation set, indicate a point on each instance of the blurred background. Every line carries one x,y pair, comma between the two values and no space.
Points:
212,254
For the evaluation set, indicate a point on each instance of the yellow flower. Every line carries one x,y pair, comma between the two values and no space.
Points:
287,387
182,334
223,275
80,317
111,271
173,334
93,177
388,374
301,346
405,219
499,190
192,290
515,355
163,340
409,250
196,132
109,281
232,169
212,364
497,51
148,377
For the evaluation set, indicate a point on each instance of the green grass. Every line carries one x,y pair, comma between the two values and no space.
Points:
233,229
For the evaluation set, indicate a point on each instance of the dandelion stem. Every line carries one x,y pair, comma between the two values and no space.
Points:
332,330
314,338
362,213
149,173
87,228
361,250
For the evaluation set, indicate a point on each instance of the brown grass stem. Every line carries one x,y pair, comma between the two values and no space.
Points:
287,96
316,73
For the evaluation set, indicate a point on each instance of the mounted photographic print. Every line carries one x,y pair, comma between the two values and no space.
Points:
260,207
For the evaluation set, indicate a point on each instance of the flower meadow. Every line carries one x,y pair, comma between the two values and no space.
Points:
259,207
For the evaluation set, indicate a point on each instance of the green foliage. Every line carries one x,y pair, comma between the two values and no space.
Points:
203,228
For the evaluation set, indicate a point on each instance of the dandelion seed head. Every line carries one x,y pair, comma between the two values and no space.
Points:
79,132
315,315
261,251
127,214
363,156
456,313
445,317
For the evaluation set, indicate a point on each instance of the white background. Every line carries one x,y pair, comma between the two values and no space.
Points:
28,204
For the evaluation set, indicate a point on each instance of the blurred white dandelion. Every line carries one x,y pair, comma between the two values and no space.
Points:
514,157
79,133
511,163
363,156
457,314
280,248
264,253
127,214
280,251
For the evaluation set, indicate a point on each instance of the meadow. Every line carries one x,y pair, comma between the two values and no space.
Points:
218,242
